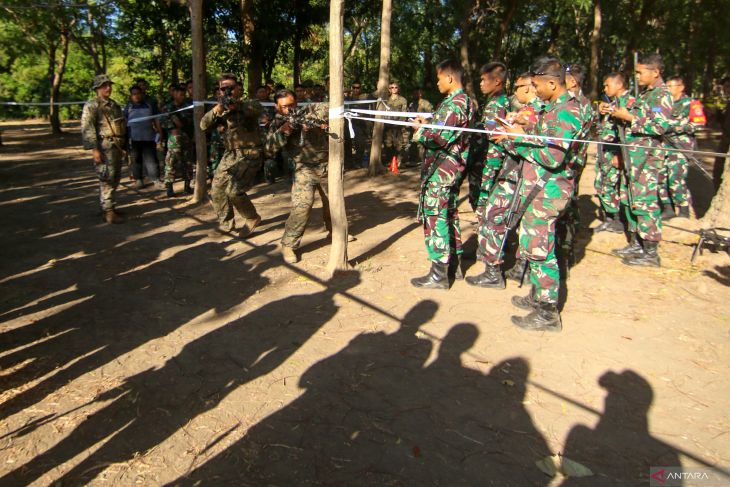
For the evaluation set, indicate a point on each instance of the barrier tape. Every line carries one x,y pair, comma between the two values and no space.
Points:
354,116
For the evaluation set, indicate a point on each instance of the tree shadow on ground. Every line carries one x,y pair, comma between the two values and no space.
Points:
620,450
151,406
376,414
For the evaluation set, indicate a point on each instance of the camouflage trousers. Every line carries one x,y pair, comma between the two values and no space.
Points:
492,223
179,158
440,217
673,180
396,140
607,183
234,176
643,213
307,179
109,173
537,235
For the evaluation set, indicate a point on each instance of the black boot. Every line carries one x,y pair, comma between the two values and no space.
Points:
517,271
455,271
633,248
612,224
668,212
648,258
491,277
684,212
544,317
437,277
170,192
187,188
527,303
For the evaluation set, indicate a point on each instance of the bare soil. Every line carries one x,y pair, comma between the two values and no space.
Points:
160,351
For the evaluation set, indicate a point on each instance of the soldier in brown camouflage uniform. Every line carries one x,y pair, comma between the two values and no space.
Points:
103,131
242,159
308,147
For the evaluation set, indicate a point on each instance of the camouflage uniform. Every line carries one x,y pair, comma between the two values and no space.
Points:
652,112
552,163
441,174
396,136
362,129
423,106
240,162
216,149
179,155
309,151
676,165
485,162
491,232
608,177
103,127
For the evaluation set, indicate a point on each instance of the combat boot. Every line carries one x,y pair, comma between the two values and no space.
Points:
110,216
187,188
544,317
517,271
289,255
612,224
684,212
455,271
527,303
491,277
668,212
648,258
249,226
170,191
633,248
437,277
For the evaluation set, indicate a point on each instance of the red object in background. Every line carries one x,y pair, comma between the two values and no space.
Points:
697,113
394,165
529,113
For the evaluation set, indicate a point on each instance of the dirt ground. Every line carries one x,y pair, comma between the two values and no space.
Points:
159,352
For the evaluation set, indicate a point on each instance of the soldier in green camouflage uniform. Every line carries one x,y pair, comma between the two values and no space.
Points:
610,160
649,120
179,128
681,136
493,224
309,148
548,179
103,131
396,136
441,175
240,162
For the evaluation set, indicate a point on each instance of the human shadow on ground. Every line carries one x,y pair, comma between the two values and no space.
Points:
620,450
721,273
151,406
376,414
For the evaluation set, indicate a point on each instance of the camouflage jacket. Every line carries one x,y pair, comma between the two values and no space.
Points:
496,106
608,127
681,130
421,106
447,150
303,146
561,118
652,114
242,129
100,119
588,118
184,118
395,103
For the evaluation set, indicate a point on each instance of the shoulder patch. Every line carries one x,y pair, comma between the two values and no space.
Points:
656,109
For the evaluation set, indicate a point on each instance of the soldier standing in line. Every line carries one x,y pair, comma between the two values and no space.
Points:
649,120
420,105
492,230
680,135
308,146
547,186
396,136
442,173
179,127
610,159
103,131
242,159
361,127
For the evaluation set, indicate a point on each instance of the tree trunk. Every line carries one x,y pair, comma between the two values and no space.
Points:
595,45
255,58
428,49
59,68
466,26
637,31
199,90
719,213
503,26
376,165
297,68
335,176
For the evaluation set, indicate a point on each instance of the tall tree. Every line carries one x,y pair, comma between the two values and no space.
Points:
376,164
595,45
199,91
